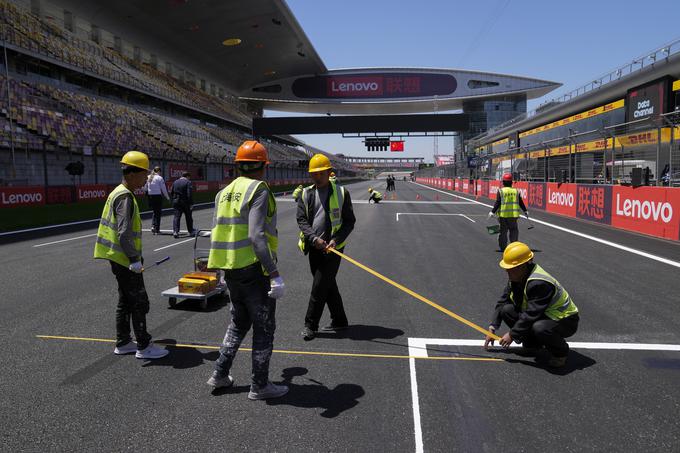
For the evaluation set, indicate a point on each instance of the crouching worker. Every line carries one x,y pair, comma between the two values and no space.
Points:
244,243
375,195
538,310
119,240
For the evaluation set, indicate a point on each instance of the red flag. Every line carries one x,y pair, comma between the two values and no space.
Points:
397,146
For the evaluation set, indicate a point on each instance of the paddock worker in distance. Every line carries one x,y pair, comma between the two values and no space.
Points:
536,307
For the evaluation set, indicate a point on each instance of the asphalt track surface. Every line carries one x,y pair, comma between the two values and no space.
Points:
76,395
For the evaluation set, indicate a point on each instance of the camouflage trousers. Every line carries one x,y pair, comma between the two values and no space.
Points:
250,306
133,305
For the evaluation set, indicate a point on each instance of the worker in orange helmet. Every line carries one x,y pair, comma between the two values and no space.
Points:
244,242
536,307
508,204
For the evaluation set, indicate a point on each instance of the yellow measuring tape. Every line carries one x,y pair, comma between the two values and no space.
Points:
416,295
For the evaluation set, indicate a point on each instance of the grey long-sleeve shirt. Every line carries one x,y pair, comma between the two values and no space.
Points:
318,222
123,206
257,216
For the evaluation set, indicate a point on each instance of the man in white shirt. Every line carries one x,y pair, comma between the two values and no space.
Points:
156,189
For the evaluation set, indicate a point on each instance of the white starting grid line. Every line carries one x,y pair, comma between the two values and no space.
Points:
417,347
575,233
433,214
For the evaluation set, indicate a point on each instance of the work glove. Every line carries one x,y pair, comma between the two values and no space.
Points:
278,288
136,267
490,215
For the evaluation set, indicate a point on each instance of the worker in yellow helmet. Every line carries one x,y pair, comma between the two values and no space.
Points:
376,196
119,240
244,243
507,208
325,218
536,307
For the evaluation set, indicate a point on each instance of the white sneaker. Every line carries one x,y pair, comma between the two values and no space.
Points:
268,391
152,352
127,348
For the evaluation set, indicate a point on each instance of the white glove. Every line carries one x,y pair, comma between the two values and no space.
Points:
136,267
278,288
491,214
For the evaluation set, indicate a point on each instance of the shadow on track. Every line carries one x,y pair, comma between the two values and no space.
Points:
309,395
576,361
182,358
360,332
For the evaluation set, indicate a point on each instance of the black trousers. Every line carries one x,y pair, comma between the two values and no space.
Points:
156,203
250,306
133,305
182,208
545,332
324,267
508,227
374,198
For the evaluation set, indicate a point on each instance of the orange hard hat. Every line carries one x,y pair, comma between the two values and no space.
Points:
251,151
507,177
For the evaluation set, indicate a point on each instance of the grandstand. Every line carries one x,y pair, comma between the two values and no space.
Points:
65,98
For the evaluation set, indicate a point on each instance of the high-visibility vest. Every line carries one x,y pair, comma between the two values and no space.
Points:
335,203
561,305
509,203
107,245
230,246
377,194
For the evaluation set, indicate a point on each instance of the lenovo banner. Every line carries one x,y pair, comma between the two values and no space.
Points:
561,199
11,197
92,192
59,194
175,171
593,202
537,194
646,210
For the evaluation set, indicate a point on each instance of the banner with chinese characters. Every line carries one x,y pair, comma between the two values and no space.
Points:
593,202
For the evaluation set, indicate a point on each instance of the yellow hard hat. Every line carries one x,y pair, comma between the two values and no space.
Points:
136,159
370,189
516,254
319,162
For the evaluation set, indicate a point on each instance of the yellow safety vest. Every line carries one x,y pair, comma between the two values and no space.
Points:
107,245
509,203
561,305
377,194
230,246
335,205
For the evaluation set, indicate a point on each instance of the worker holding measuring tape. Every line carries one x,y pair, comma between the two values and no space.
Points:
536,307
119,240
325,218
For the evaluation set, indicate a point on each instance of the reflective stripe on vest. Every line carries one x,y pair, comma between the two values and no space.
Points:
107,245
377,194
335,204
231,248
509,203
561,305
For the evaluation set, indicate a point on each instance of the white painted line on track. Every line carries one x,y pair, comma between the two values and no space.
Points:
417,428
65,240
417,347
433,214
576,233
411,202
174,244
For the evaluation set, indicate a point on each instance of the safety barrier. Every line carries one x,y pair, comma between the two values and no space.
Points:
653,211
11,197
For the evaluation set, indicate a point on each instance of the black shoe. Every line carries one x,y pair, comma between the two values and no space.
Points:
332,328
175,235
308,334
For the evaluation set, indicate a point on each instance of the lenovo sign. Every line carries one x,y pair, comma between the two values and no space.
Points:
346,87
561,199
92,193
11,197
646,210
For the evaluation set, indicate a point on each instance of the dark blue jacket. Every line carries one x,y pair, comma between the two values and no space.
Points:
182,191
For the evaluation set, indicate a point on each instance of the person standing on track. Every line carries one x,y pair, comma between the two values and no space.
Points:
536,307
156,189
508,203
326,218
183,203
244,244
119,240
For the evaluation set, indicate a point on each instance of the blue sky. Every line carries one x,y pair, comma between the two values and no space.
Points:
571,42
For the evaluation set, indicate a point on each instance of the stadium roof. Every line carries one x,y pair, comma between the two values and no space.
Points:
275,66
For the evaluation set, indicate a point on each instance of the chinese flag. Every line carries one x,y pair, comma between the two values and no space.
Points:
397,146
